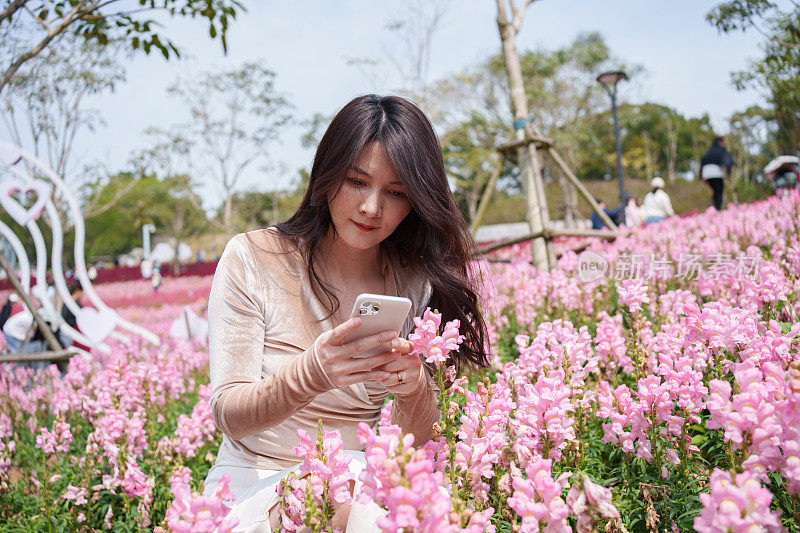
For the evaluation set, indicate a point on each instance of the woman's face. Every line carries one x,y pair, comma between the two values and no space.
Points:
371,202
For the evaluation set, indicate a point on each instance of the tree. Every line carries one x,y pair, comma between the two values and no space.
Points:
235,116
415,28
29,27
411,30
751,141
43,106
166,203
564,96
257,209
658,139
778,72
764,16
470,157
536,212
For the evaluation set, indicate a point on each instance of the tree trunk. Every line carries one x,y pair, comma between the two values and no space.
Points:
671,150
486,197
649,157
227,213
535,202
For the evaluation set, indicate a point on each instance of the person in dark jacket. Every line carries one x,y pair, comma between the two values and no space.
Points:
714,166
614,214
76,292
5,311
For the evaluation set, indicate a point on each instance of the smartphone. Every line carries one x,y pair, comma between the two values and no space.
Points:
378,313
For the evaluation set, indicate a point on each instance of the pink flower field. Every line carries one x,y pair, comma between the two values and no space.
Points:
660,392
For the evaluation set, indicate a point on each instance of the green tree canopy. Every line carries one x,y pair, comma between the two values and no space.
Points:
260,209
777,73
29,26
167,203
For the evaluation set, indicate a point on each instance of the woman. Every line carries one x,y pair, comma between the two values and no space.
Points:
656,205
378,217
633,212
714,166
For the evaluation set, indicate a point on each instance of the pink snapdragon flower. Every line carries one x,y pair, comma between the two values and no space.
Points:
192,513
181,475
751,418
134,480
537,498
632,294
610,343
543,423
736,504
293,510
402,480
428,343
198,429
56,441
329,466
76,494
482,440
325,464
589,503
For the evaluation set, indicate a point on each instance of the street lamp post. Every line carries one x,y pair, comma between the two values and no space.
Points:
147,229
146,266
609,82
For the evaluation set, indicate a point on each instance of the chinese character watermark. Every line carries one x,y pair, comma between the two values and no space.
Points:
593,266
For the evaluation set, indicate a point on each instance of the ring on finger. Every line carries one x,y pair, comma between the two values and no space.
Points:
400,377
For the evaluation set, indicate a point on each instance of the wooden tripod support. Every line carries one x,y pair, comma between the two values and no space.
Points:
529,140
548,233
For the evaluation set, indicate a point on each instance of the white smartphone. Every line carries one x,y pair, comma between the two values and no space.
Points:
378,313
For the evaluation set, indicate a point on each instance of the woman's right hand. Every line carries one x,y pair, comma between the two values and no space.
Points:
338,361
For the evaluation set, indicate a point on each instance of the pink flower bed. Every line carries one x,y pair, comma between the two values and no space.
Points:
664,395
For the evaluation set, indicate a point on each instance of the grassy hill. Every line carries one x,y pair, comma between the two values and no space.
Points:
685,196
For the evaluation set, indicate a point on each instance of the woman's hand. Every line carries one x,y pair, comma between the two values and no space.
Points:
405,372
337,359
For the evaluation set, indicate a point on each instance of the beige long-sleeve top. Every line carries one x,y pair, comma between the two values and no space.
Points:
266,379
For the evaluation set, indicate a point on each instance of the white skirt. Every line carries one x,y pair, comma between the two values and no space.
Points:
256,491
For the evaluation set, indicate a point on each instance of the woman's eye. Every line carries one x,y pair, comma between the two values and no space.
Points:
356,182
397,194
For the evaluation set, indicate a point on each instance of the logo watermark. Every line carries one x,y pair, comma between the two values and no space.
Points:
592,266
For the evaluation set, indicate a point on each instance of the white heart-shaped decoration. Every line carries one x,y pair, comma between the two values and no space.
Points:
11,186
189,326
9,155
96,325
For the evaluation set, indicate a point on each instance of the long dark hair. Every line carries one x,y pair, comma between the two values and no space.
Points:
434,239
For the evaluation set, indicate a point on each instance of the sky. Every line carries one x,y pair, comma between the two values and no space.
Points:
307,43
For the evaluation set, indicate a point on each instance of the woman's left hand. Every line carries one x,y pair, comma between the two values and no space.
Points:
405,372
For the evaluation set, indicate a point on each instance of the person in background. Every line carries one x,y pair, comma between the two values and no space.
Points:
12,341
613,214
714,166
155,279
17,327
633,212
24,336
76,292
656,205
5,311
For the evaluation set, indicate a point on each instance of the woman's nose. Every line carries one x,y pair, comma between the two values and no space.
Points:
371,204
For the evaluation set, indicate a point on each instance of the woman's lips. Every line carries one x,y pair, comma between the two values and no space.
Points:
362,227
